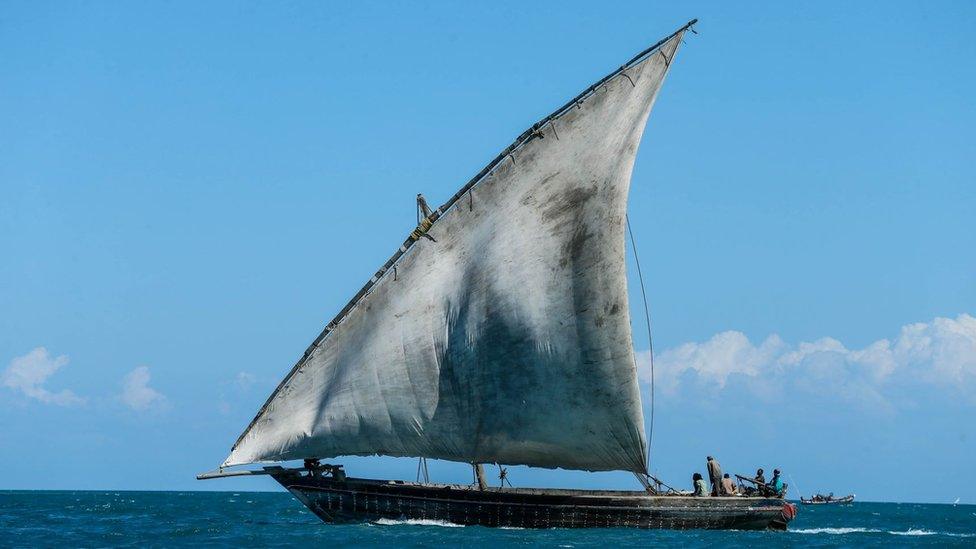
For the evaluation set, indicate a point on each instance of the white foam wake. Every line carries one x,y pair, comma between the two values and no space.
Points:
418,522
914,532
835,531
909,532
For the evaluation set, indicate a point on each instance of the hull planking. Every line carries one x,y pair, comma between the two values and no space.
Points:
361,500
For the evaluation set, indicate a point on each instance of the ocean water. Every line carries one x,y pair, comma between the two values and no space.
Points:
249,519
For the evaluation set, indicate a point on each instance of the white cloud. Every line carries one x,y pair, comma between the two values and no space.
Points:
938,354
28,374
943,351
718,358
136,392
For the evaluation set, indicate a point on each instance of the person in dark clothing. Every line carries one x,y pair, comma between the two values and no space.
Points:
313,466
758,485
715,475
700,489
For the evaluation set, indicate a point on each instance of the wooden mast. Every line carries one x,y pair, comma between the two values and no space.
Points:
479,473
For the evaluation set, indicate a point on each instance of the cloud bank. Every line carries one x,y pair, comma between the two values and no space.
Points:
136,392
939,355
28,374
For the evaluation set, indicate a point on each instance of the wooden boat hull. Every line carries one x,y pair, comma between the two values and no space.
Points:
362,500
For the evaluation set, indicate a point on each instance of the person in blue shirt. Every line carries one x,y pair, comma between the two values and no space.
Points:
776,483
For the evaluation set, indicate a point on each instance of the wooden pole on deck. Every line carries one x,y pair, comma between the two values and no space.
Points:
479,473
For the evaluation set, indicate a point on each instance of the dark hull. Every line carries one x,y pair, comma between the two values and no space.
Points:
361,500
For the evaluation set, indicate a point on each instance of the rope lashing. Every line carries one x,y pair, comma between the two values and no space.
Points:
425,218
422,228
623,72
553,126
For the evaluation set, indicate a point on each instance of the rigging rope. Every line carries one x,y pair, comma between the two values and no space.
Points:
650,341
422,474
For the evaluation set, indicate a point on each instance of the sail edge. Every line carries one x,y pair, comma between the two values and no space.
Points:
533,132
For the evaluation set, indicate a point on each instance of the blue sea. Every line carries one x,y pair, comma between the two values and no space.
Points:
258,519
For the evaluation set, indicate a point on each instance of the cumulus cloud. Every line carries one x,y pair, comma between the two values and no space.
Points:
28,374
939,354
136,392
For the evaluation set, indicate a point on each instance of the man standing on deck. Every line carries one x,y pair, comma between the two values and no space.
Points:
715,476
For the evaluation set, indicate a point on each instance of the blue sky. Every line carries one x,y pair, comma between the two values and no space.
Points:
189,192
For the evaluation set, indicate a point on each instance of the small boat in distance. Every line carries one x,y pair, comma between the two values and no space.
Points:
829,499
498,333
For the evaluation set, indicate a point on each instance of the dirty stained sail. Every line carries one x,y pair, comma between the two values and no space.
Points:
505,337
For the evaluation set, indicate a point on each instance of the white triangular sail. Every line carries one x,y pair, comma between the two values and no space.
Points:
505,337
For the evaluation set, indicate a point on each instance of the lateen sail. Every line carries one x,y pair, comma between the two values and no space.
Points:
506,337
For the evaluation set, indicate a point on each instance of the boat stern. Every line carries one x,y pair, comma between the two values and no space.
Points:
787,514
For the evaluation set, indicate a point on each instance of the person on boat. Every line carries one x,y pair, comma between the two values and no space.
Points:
714,475
313,466
760,477
776,484
728,487
700,489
